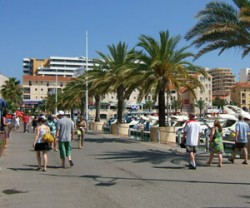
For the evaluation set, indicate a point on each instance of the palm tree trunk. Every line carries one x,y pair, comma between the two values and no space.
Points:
120,105
167,107
161,106
97,108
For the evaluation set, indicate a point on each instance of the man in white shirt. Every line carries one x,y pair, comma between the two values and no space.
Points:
192,133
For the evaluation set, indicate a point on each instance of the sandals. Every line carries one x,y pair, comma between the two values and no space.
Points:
41,169
71,163
245,163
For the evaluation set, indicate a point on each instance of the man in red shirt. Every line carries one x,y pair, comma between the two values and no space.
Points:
25,122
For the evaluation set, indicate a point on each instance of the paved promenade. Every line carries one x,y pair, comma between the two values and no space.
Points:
114,172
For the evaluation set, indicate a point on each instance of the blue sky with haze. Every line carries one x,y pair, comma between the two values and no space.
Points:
43,28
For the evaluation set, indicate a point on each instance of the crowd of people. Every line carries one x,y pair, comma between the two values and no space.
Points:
192,134
62,129
59,126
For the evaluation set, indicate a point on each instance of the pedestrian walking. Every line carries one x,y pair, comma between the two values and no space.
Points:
216,143
81,129
192,132
34,123
25,122
242,129
17,123
65,134
52,123
40,146
5,127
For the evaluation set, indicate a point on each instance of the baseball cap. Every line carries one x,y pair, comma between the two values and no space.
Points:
60,112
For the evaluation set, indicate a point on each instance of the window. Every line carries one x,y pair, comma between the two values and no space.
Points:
30,83
35,89
26,97
47,84
26,90
61,84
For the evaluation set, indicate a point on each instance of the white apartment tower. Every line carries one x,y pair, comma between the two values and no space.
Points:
245,75
43,76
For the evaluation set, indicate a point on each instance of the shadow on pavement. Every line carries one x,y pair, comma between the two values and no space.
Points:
114,180
32,168
152,156
109,140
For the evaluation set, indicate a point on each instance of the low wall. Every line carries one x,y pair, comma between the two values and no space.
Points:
96,126
120,129
163,135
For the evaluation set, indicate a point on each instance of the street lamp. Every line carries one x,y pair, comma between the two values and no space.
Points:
56,93
87,90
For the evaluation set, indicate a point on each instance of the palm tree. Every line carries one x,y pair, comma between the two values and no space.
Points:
222,26
117,65
98,86
163,67
73,95
149,105
201,105
11,91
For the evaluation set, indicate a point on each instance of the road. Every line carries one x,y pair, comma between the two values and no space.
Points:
116,172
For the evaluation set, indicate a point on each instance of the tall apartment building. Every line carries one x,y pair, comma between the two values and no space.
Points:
54,65
223,80
42,76
240,94
245,75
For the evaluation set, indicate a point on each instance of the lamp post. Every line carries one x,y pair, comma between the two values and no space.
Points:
86,91
56,93
86,87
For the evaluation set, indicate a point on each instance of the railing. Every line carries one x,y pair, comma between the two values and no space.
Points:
139,134
203,147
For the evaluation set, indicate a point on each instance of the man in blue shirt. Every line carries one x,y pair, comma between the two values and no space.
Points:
242,129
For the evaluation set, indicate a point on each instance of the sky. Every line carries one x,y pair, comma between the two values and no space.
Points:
44,28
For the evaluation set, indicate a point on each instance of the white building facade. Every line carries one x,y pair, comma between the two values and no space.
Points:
245,75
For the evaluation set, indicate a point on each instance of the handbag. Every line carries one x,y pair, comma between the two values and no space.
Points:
183,144
48,137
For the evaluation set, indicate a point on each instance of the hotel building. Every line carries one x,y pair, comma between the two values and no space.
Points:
223,80
43,76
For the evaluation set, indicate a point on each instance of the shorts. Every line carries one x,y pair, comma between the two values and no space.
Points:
42,146
239,146
191,148
65,149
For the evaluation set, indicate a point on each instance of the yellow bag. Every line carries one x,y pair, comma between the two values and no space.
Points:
48,137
